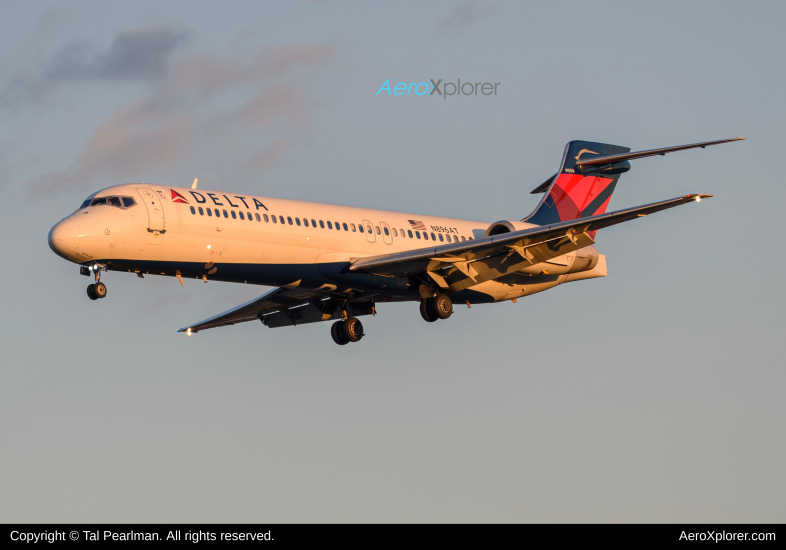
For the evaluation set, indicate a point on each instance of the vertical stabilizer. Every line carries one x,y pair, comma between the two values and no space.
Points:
578,192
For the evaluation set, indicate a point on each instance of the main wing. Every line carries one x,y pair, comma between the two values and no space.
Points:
282,307
275,301
490,257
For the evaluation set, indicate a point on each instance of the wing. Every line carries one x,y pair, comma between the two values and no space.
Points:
283,307
491,257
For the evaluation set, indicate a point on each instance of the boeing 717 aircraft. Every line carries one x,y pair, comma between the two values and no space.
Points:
340,263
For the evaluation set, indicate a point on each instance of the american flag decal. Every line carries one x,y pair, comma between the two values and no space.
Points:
417,224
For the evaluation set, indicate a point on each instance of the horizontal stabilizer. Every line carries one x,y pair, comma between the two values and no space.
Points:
610,159
543,187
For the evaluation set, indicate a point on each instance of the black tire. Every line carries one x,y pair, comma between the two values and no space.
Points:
441,306
426,312
337,332
90,293
99,289
352,329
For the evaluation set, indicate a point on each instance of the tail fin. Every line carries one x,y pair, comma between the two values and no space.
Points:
579,191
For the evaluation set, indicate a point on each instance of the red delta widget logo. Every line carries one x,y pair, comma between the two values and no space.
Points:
448,88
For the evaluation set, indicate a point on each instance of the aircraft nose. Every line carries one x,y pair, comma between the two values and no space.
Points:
64,238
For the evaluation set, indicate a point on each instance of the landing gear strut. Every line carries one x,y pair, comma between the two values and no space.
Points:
344,332
438,307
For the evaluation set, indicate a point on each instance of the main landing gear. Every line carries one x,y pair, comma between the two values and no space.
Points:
438,307
98,289
344,332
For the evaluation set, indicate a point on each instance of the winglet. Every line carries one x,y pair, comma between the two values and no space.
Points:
193,185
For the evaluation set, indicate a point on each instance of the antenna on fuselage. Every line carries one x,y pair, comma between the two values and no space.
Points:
193,185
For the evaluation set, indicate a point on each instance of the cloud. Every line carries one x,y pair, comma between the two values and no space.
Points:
206,114
464,14
140,55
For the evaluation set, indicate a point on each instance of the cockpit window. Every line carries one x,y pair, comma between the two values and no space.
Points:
119,202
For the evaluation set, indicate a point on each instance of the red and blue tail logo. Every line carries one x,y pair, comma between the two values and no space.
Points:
575,192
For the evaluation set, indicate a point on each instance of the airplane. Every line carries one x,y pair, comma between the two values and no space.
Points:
330,262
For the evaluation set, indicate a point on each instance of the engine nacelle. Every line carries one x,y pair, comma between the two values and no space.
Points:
583,259
506,226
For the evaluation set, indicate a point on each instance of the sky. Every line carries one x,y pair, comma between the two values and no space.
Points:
652,395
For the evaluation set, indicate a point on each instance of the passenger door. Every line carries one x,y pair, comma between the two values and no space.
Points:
387,234
369,229
155,209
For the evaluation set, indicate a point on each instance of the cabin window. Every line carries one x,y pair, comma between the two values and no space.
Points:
297,221
345,227
201,213
352,226
433,237
425,236
417,234
395,233
274,219
289,219
193,210
463,238
321,224
368,228
241,215
234,217
360,227
440,236
313,223
209,212
281,219
386,231
248,215
338,226
225,214
377,228
305,222
330,225
409,232
455,238
258,218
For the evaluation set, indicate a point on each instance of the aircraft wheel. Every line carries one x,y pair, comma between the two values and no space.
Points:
337,332
352,329
91,293
441,306
426,310
99,289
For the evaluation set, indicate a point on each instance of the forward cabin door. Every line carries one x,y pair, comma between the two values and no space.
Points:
155,209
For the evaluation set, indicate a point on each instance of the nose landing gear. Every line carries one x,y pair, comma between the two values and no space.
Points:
98,289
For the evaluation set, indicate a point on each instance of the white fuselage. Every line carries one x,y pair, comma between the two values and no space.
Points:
233,237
